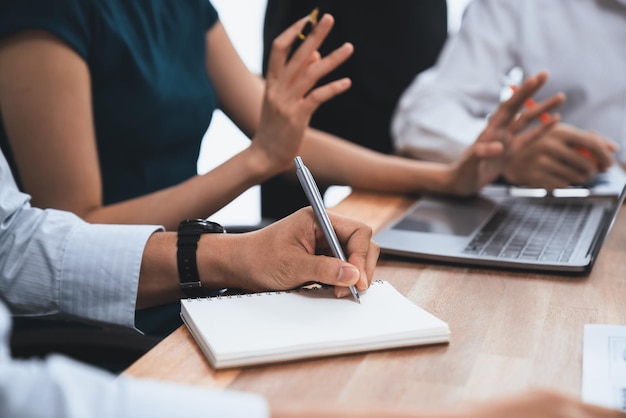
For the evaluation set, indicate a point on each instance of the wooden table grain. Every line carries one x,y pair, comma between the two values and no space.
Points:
509,331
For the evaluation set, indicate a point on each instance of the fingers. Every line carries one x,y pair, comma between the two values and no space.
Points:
558,174
313,41
575,167
306,77
508,110
537,111
482,150
509,114
535,132
549,162
295,244
360,250
595,149
325,93
281,46
291,95
302,71
586,149
562,165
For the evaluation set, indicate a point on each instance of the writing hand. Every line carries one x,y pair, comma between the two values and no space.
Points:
294,251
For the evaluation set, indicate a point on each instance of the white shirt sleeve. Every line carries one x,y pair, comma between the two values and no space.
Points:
445,108
60,387
53,263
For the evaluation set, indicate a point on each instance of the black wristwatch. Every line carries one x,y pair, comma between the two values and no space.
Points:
189,232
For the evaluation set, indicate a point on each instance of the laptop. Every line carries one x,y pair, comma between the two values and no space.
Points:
509,227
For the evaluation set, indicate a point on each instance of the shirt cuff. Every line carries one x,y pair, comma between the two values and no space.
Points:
100,272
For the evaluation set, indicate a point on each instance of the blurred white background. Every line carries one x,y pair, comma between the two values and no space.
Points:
243,20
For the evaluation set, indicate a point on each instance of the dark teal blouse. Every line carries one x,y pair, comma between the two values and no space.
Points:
152,98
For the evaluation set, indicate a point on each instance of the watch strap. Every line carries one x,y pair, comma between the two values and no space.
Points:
189,233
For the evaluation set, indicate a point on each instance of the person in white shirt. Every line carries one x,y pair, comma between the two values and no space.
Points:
580,44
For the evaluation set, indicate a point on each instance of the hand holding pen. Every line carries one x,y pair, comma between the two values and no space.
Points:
317,203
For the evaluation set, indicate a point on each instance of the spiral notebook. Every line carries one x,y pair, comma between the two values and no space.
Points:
259,328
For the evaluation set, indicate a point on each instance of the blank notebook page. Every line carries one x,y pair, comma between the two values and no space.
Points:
276,326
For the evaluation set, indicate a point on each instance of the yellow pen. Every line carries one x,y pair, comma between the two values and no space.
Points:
304,32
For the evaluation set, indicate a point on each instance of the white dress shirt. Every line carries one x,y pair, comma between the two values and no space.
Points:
582,44
54,264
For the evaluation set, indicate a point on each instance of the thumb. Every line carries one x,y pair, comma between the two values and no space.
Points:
335,272
488,149
348,275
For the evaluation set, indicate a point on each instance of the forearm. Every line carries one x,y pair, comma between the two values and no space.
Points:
198,197
337,162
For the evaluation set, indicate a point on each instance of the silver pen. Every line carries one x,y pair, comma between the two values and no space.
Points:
313,194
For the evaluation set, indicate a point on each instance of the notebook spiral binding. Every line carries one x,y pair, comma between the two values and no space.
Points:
316,287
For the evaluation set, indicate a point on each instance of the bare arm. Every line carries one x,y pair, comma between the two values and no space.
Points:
46,109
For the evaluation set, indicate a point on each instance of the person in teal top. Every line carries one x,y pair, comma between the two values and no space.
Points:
152,98
105,103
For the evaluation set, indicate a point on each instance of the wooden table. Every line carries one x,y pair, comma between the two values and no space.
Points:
509,331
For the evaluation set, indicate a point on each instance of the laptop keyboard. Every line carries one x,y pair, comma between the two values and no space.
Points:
532,230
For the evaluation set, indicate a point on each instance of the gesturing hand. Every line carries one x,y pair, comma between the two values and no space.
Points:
509,129
290,94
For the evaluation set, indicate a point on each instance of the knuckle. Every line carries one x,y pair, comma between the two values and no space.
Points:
271,95
279,44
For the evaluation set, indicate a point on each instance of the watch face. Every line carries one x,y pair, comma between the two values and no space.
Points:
199,226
